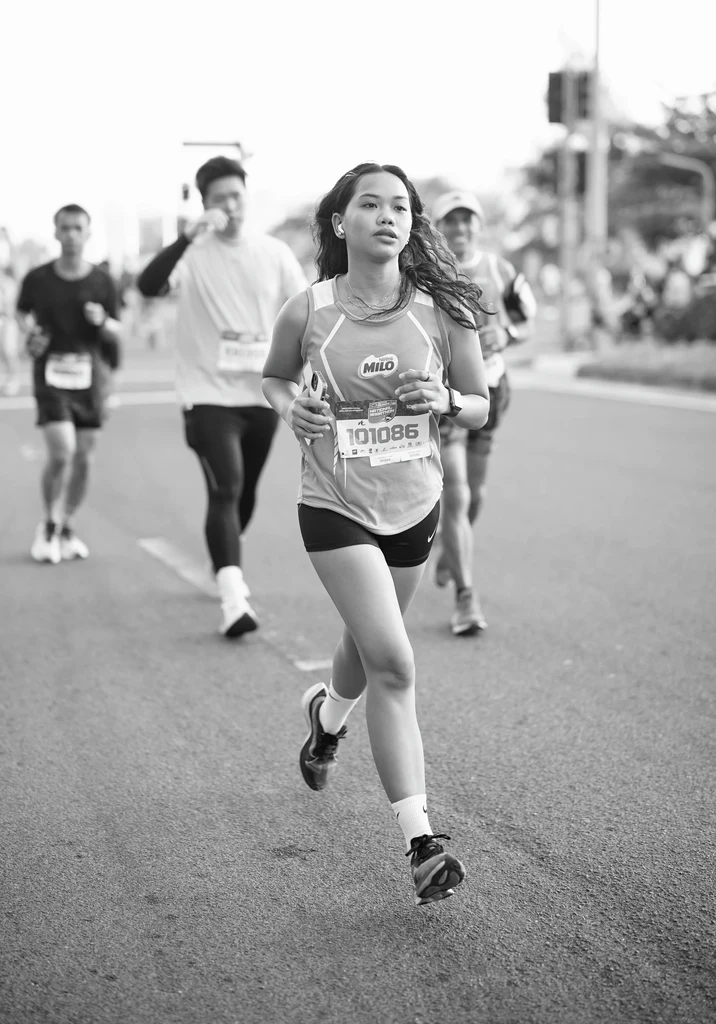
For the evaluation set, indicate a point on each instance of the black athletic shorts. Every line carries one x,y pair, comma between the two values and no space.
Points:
324,530
479,440
86,409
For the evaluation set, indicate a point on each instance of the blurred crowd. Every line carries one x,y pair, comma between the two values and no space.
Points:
669,295
672,298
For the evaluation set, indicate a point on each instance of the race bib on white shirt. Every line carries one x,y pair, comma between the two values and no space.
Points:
69,371
242,352
375,430
494,369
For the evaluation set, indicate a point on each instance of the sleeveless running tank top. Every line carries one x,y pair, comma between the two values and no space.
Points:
380,464
484,270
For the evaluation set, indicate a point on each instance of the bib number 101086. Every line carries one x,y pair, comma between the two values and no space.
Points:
360,436
379,434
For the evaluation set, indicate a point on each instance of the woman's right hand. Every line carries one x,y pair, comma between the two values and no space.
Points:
308,418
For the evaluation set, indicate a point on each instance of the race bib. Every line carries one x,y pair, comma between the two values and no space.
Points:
69,371
242,352
382,431
494,369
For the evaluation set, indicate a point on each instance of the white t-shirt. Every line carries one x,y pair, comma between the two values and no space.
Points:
229,295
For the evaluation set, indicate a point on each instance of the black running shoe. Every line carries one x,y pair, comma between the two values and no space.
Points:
435,873
318,754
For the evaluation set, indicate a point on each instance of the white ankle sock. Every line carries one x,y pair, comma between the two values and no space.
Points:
412,815
335,710
230,583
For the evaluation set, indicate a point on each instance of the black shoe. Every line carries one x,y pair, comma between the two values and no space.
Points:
318,754
435,873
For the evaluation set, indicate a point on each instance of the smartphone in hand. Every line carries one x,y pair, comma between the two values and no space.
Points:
318,389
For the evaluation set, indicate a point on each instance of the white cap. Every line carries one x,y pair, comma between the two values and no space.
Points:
456,200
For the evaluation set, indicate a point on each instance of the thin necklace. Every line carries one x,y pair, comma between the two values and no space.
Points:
381,303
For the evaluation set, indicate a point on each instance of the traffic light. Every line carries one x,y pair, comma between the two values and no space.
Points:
555,97
581,84
584,95
581,183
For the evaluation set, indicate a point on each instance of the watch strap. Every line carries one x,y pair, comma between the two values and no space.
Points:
455,407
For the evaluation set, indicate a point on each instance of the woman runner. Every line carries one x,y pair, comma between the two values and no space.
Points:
384,344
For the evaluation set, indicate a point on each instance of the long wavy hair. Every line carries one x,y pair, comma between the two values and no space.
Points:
425,263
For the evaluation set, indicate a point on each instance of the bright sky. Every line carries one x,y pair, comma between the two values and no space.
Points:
99,97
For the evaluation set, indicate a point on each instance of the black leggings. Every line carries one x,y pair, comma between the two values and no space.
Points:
232,444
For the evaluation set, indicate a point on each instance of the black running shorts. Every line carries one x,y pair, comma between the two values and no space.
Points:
480,440
324,530
86,409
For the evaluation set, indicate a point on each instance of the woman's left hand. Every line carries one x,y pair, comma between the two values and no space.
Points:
424,392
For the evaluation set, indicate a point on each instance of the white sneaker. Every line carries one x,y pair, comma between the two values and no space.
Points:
237,614
467,618
237,617
46,545
71,546
212,576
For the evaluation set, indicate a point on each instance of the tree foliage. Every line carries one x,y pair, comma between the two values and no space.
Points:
660,201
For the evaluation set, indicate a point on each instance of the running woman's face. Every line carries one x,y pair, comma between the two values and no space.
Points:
462,232
72,231
229,195
377,220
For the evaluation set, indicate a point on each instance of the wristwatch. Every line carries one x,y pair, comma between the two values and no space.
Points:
455,402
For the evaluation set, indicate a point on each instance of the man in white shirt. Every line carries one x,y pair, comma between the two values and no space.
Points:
231,286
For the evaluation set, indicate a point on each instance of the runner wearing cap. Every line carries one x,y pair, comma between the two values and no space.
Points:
68,308
231,285
465,452
384,343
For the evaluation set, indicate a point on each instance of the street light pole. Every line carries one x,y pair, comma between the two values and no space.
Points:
567,181
597,175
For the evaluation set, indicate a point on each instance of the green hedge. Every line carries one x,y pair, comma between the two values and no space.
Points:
689,366
696,322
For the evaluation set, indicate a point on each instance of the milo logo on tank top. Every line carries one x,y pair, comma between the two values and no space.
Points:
374,366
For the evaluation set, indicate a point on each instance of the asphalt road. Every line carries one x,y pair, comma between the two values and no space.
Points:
163,861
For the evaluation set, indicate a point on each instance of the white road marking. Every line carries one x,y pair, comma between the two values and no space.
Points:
200,577
666,398
180,563
127,398
119,399
157,375
13,404
314,666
